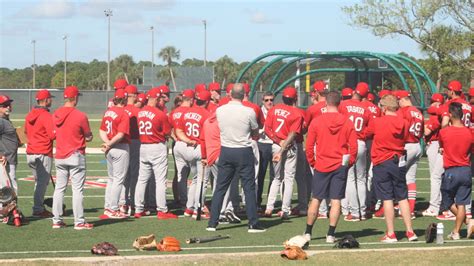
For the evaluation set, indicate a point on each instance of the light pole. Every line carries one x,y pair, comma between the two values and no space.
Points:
108,14
205,41
152,29
34,63
65,60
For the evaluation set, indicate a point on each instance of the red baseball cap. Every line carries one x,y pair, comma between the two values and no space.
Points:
454,85
153,93
203,95
229,87
437,98
246,88
43,94
471,92
120,93
189,93
131,89
433,110
401,94
120,84
362,89
141,97
4,99
71,92
214,86
290,92
200,87
370,97
164,89
346,92
384,92
319,85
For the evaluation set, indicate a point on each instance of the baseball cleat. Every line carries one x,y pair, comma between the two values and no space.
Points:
351,218
203,215
283,215
138,215
454,236
188,212
211,228
298,212
322,216
389,238
446,216
330,239
379,214
110,214
232,217
223,220
83,226
429,213
43,214
59,225
166,216
256,229
411,236
268,213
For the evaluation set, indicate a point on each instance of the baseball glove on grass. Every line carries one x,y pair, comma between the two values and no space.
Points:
7,200
294,253
145,243
104,248
430,233
169,244
347,241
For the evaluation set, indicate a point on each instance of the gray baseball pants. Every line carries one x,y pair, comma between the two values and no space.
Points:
40,166
356,186
117,167
8,178
127,196
435,162
153,162
73,167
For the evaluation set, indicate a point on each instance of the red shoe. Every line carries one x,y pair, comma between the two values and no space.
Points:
351,218
43,214
322,216
166,216
379,214
446,216
188,212
59,225
389,238
110,214
138,215
83,226
298,212
204,215
411,236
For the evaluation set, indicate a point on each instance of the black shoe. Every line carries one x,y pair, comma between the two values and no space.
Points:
223,220
256,229
232,218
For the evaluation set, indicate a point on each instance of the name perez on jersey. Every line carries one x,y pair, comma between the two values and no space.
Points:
146,114
281,112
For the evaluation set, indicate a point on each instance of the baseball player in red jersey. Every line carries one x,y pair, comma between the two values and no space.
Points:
118,84
115,133
371,97
39,150
435,159
454,95
164,98
154,128
413,148
389,134
331,148
127,196
455,143
72,132
141,100
284,122
215,89
226,99
181,173
354,204
347,93
188,149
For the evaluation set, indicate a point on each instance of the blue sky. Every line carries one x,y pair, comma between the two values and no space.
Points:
240,29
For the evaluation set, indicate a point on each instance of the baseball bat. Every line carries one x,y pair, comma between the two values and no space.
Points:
200,240
199,210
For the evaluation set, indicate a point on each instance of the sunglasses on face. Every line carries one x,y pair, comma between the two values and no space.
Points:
5,106
268,100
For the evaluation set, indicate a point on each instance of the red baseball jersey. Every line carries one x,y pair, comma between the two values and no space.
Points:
39,131
415,121
389,137
258,112
153,125
224,100
212,107
374,109
333,136
314,111
132,112
71,127
358,113
434,125
456,142
176,114
467,117
281,120
115,121
192,122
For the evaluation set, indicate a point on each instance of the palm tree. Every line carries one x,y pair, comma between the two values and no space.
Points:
169,53
125,64
225,68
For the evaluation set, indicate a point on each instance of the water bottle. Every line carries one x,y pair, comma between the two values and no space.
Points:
16,218
440,234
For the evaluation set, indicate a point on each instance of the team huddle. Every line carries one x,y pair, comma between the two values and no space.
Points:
347,155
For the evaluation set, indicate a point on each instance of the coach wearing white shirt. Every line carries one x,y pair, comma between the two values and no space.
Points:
237,124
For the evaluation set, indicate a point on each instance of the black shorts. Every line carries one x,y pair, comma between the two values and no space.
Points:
331,185
456,187
389,181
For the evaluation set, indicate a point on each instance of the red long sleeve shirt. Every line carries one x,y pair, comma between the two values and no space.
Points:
39,130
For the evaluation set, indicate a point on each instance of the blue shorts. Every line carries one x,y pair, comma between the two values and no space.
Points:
389,181
456,187
331,185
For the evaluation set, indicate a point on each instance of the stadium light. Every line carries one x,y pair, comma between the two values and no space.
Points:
108,14
65,60
152,29
205,44
34,63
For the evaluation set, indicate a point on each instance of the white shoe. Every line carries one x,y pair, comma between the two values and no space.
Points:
454,236
330,239
307,237
429,213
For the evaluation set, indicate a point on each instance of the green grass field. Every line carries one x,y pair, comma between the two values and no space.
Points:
39,240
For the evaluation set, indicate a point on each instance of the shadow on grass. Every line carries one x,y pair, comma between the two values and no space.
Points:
110,221
359,233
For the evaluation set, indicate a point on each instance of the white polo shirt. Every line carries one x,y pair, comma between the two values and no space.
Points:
236,123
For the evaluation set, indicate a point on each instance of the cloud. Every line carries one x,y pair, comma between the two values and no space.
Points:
258,17
49,9
27,29
173,21
95,8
